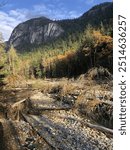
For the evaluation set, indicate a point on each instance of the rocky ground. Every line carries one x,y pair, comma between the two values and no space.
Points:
58,115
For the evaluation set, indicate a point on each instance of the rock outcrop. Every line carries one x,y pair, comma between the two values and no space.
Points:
42,30
34,31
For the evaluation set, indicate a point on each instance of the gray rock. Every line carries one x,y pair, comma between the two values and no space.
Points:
34,32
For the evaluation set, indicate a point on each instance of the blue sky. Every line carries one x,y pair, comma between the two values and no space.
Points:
17,11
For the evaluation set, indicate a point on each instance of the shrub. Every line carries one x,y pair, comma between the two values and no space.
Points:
99,73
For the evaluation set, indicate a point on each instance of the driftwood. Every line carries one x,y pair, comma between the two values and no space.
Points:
53,108
14,112
27,107
31,105
100,128
53,140
94,126
26,118
18,103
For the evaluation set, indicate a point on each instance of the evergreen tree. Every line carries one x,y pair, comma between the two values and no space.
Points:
2,61
12,60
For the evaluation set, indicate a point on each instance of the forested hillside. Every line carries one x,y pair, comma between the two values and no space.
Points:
85,43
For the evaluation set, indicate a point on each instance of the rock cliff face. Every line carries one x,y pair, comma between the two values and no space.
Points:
42,30
34,31
51,31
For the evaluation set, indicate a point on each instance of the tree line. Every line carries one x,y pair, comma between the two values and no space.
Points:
65,58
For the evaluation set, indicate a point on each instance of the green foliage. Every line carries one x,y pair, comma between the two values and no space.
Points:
12,60
2,61
106,29
65,57
2,56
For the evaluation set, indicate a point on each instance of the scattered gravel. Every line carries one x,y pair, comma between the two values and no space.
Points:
95,139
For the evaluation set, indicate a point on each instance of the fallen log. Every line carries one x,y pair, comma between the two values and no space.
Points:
93,126
53,108
18,103
14,111
98,127
26,106
44,131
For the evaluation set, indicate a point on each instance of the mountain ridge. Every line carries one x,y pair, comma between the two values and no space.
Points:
42,30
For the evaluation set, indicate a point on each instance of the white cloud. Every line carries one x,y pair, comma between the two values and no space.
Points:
7,23
52,12
9,20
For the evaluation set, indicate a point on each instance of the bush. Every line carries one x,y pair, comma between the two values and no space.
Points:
99,73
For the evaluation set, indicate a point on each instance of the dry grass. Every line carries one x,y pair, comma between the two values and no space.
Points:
98,112
14,81
99,73
63,86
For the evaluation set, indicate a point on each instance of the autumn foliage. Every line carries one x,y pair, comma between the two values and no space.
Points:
92,49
